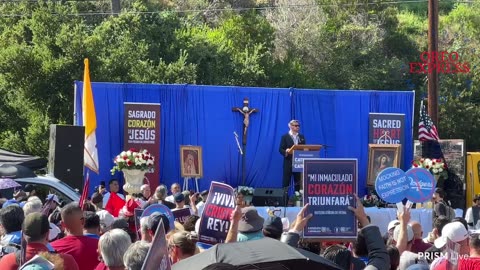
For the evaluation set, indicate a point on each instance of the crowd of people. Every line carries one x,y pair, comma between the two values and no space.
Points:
42,233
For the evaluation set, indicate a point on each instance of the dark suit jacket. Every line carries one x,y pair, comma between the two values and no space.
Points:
287,142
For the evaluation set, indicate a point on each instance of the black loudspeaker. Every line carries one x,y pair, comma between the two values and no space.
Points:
65,159
269,197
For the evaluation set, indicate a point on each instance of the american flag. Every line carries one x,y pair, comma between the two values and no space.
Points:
426,128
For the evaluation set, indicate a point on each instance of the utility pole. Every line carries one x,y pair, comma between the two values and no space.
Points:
116,6
433,60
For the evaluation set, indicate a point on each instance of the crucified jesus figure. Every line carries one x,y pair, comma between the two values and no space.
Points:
246,111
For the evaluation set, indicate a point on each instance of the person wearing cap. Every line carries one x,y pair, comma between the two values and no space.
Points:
293,137
129,213
114,187
179,199
153,222
81,247
273,227
106,220
472,216
181,246
456,233
36,231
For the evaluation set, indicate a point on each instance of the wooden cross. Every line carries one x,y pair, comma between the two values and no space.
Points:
246,111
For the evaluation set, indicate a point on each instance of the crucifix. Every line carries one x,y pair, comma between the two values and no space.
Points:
245,111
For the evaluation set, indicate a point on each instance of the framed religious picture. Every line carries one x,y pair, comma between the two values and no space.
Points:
191,163
382,156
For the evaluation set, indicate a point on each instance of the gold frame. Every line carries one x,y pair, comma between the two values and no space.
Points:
199,162
392,151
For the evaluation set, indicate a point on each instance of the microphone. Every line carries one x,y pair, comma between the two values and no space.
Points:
235,133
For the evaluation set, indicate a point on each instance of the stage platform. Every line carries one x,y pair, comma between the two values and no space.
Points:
379,216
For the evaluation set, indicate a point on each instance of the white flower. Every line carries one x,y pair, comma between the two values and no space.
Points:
440,169
435,170
129,153
301,191
123,154
119,160
428,162
149,162
297,193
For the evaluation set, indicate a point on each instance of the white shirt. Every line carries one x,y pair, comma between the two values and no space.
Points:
200,207
294,137
170,199
106,197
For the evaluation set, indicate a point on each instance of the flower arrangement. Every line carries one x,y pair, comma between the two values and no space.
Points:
246,191
435,166
371,200
133,159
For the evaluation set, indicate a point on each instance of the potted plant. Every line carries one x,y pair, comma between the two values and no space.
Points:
134,164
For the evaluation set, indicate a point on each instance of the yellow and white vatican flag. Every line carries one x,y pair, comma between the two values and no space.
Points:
90,122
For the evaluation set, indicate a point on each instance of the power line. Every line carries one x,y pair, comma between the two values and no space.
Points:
232,9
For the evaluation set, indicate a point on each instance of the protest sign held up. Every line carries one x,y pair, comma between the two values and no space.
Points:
215,220
392,185
329,185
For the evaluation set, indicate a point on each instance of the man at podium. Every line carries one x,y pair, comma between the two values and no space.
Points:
293,137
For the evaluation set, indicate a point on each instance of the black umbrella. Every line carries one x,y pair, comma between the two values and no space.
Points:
266,253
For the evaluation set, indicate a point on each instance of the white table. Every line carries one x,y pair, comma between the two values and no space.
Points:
379,216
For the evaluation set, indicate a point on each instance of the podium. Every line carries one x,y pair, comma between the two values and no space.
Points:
300,152
305,147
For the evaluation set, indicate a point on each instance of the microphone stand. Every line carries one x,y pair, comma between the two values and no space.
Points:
325,146
241,154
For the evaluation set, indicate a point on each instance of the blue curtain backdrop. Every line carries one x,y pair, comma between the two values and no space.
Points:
202,115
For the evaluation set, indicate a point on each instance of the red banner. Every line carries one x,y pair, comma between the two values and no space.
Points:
142,131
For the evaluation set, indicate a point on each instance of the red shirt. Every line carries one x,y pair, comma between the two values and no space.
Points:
472,263
419,246
9,261
82,248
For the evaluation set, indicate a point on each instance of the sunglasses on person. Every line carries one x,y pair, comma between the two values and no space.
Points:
295,125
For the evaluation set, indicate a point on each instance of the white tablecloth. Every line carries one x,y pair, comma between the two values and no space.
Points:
379,216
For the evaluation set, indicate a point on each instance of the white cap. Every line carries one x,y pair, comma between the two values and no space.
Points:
54,232
53,197
455,231
393,224
106,219
396,233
